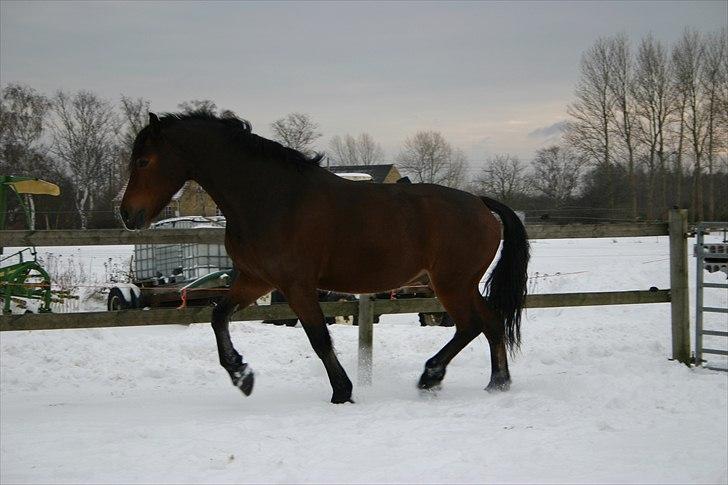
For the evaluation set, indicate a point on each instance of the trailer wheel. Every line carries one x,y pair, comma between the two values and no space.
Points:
436,320
117,300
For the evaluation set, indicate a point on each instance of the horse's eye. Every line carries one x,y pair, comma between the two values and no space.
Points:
142,162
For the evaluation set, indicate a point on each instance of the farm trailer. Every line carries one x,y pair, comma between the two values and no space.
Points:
175,274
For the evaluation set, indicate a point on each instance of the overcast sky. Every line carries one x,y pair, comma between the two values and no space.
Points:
491,76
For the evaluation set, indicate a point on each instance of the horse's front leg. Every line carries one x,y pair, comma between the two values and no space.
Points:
304,301
242,293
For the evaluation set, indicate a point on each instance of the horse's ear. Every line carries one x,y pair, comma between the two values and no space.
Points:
154,123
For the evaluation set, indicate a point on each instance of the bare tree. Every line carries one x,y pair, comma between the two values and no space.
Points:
714,80
198,105
369,152
457,171
589,129
557,171
135,115
689,57
503,177
680,97
621,85
429,158
85,140
297,131
23,114
362,150
654,104
343,150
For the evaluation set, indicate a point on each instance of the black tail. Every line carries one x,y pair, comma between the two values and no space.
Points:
506,285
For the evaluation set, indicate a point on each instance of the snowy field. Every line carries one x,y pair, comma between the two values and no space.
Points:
594,398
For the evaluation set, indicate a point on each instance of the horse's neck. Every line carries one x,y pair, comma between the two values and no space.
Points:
250,193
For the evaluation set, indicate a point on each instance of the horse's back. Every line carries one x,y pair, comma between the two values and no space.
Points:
388,234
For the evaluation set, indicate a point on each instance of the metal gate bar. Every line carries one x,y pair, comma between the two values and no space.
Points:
716,333
715,310
713,351
701,254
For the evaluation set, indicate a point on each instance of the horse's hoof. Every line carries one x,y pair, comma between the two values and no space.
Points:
431,378
429,392
498,386
244,379
428,384
341,397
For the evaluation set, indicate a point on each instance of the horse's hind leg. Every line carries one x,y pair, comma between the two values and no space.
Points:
305,303
494,331
242,293
468,325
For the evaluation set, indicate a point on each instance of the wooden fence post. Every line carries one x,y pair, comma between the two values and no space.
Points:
680,303
366,331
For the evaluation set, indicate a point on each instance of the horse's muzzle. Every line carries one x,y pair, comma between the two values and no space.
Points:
134,220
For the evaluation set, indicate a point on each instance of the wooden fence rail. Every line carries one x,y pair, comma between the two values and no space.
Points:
169,316
100,237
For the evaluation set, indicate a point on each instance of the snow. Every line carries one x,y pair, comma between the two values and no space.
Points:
594,397
357,176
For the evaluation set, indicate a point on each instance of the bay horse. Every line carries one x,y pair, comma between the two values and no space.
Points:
296,227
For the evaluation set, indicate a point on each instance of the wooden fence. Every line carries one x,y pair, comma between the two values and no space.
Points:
101,237
366,308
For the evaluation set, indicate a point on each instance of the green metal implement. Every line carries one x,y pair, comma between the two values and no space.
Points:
25,279
23,185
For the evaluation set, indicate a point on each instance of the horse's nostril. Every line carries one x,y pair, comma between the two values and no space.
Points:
124,214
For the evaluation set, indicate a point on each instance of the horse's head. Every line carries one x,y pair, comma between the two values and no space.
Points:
156,173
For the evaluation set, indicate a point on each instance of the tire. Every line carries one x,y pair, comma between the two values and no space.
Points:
117,300
279,323
426,319
436,320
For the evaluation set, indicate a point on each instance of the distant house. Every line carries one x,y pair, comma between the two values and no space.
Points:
381,174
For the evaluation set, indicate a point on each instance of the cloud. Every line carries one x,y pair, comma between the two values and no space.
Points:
548,131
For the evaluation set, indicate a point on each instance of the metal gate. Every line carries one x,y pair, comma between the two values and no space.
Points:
711,257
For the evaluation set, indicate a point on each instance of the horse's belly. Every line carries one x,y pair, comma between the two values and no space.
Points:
368,275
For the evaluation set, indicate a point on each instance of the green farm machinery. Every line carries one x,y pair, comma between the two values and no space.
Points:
25,278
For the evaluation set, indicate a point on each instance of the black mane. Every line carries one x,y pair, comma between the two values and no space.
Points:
240,131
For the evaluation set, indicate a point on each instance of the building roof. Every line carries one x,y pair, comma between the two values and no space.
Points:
378,172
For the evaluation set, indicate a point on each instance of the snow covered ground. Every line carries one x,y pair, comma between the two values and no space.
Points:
594,399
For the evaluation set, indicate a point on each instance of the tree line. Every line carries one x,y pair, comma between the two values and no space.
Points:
653,121
647,129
